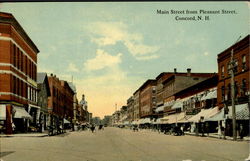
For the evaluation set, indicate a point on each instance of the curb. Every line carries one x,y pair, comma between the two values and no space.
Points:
211,136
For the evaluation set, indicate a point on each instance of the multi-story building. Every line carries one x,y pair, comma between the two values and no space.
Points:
42,99
178,82
148,98
68,100
241,73
137,112
240,67
130,105
60,103
75,104
18,72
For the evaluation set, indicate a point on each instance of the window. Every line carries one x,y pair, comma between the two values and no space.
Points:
21,61
14,85
28,89
244,67
14,53
222,71
235,65
18,58
236,88
243,87
228,69
26,65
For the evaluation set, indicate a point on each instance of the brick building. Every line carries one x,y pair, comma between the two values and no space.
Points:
178,82
130,105
241,85
137,111
148,98
18,72
60,103
241,70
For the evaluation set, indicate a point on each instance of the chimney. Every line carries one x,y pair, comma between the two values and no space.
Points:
188,72
175,70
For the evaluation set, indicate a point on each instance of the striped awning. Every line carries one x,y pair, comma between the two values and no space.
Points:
241,111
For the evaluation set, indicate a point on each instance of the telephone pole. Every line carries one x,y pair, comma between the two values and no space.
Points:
232,67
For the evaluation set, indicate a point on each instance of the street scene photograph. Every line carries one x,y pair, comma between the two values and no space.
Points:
124,81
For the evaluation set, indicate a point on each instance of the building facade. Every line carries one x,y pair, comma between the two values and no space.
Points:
18,72
42,99
130,105
137,111
148,98
178,82
241,72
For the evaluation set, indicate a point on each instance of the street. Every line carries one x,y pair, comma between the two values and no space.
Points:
114,144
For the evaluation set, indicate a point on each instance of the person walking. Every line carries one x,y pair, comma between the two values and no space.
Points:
219,129
92,128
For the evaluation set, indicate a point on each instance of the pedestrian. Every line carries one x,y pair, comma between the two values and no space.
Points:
207,128
219,130
241,131
182,130
92,128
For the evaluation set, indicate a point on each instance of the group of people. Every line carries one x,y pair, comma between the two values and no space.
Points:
92,128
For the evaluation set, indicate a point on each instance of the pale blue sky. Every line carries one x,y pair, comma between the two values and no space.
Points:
112,48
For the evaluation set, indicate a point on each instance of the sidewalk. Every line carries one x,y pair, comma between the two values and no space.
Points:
25,135
215,135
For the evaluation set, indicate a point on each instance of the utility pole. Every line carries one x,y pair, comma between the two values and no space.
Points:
232,67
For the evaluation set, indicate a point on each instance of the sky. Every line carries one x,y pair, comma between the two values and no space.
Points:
111,48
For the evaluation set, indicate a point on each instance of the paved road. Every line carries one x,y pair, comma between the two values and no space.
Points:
115,144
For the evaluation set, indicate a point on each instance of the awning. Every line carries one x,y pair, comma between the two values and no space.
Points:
173,118
145,121
21,113
241,111
134,122
205,113
66,121
184,119
34,106
217,117
126,123
178,104
158,121
123,118
210,95
160,108
2,112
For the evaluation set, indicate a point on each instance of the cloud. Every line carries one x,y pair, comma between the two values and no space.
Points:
206,53
72,68
102,60
109,33
44,69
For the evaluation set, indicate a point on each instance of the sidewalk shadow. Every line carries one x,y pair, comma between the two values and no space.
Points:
62,135
2,154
